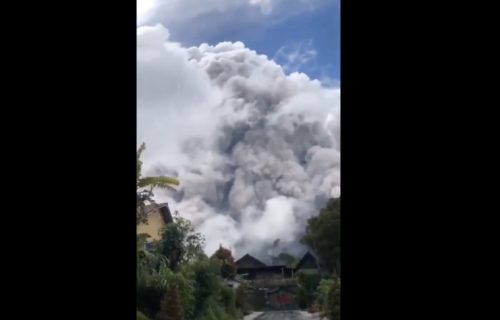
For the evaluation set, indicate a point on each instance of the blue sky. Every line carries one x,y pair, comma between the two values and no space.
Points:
308,30
321,28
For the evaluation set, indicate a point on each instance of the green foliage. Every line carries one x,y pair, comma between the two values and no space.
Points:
152,182
152,274
139,161
180,243
200,293
333,303
175,279
141,316
171,305
213,299
215,311
186,287
323,235
158,182
227,300
145,186
204,274
306,294
228,267
200,288
147,261
323,291
148,300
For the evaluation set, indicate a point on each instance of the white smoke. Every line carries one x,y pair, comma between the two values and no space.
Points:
154,11
257,151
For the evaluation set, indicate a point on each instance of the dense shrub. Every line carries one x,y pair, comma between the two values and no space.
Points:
171,305
306,294
333,306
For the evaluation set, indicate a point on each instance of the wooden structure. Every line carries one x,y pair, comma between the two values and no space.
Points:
158,216
308,264
252,268
273,287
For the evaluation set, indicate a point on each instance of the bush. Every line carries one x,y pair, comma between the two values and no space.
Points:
241,299
214,311
203,276
153,282
306,294
333,307
148,300
180,243
171,305
322,294
141,316
228,301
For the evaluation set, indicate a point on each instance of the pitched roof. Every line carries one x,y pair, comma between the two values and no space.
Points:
247,261
307,260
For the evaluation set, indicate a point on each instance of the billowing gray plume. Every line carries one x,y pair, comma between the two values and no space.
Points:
257,151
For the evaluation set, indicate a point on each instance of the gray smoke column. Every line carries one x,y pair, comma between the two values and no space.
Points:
257,151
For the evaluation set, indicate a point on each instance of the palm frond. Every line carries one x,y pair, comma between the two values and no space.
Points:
139,162
141,149
158,182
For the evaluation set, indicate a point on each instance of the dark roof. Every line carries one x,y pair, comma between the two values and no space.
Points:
308,261
166,214
247,261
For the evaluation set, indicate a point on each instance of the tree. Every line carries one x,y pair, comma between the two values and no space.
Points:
306,293
205,275
333,305
228,265
323,235
146,185
152,274
171,306
322,294
179,243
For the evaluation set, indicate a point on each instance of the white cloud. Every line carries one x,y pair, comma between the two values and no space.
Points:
296,56
256,150
192,20
145,10
266,6
169,89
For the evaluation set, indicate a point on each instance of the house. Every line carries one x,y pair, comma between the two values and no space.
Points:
250,268
158,216
268,287
247,261
308,264
253,269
